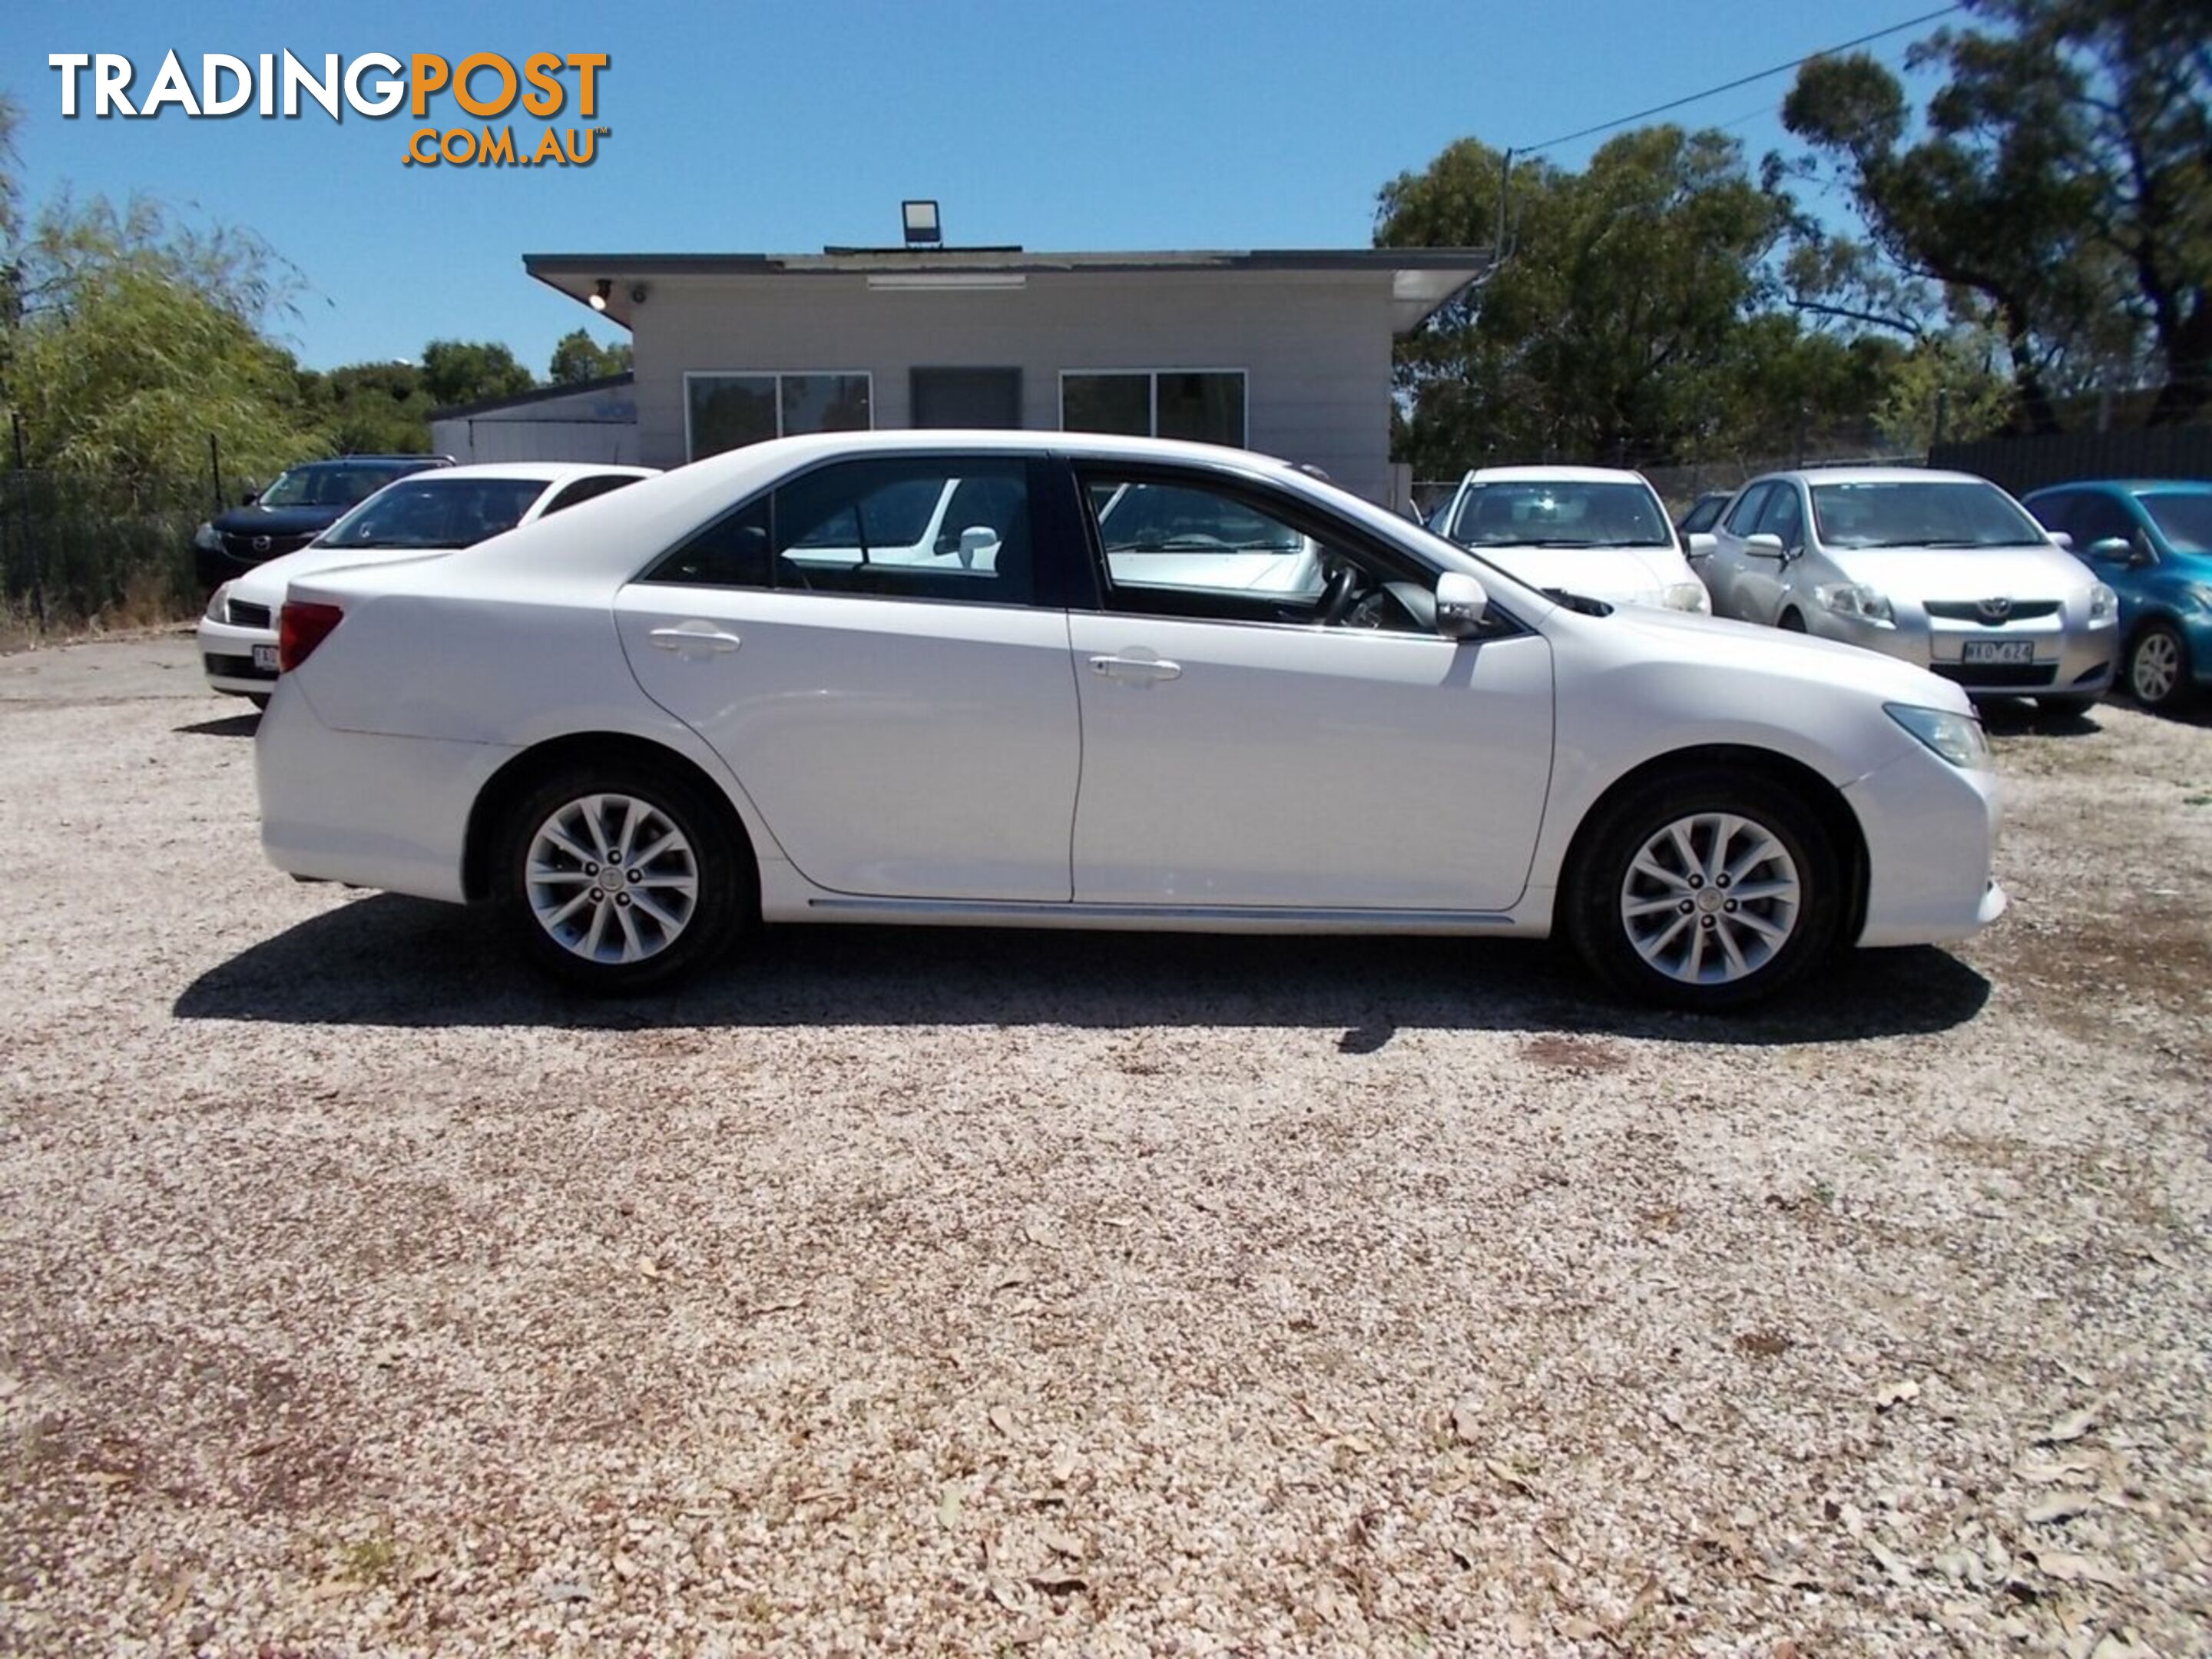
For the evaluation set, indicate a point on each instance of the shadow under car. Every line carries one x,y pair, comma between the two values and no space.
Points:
384,960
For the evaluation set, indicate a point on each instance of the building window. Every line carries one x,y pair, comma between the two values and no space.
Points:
1206,406
726,411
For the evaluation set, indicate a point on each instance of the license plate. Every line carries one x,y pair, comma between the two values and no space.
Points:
265,658
2000,650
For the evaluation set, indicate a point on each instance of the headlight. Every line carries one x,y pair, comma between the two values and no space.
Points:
2201,593
1959,738
1685,596
1858,600
2104,604
216,602
208,537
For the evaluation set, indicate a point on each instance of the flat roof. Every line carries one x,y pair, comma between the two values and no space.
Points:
1422,279
538,394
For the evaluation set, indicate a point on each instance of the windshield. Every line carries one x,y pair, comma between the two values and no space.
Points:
326,485
2185,521
434,511
1910,513
1532,512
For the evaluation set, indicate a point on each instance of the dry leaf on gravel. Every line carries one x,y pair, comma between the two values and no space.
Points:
1043,1236
2068,1428
1467,1419
1895,1393
1002,1420
1061,1543
2062,1507
1899,1569
1506,1475
2042,1473
2070,1569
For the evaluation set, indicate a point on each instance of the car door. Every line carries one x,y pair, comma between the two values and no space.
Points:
1763,584
906,724
1724,570
1239,749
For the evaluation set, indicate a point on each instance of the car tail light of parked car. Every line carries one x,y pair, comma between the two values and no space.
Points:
302,628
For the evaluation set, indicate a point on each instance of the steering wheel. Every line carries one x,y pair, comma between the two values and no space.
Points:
1337,594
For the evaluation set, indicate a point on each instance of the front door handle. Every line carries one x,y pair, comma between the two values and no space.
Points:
703,636
1138,671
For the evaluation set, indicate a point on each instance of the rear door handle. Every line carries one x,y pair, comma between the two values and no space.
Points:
1141,670
701,636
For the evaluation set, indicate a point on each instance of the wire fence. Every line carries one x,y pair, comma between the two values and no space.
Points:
76,552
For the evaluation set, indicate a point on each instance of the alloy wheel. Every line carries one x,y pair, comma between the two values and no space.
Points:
1710,898
2154,667
611,878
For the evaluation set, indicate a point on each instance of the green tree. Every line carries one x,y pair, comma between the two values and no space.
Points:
468,372
2062,192
579,358
373,409
1630,321
136,339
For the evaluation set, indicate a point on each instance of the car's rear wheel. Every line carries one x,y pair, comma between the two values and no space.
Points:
1707,891
2158,666
621,877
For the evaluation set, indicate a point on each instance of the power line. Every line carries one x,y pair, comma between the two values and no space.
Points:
1741,81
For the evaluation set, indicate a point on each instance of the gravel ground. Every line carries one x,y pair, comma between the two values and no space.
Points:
987,1293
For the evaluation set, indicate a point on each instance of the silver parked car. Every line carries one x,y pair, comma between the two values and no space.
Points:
1942,569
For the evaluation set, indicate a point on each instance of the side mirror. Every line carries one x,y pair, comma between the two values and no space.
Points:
1698,544
975,541
1764,545
249,498
1461,605
2060,538
2118,549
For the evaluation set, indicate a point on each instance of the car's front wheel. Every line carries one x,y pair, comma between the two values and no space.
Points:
2158,666
1707,891
623,877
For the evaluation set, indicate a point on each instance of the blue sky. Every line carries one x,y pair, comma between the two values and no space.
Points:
781,127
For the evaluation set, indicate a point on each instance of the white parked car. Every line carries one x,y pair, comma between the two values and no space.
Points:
739,693
1587,530
422,514
1941,569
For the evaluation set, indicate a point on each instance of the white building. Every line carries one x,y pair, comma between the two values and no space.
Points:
1285,352
591,421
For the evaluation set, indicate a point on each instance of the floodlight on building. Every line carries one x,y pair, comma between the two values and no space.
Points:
600,290
922,225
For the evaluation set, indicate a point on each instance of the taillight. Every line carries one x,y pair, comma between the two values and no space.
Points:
300,628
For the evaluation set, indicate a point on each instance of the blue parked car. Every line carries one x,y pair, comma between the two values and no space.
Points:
2151,539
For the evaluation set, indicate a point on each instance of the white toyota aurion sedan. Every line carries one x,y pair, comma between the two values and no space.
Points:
421,515
1060,680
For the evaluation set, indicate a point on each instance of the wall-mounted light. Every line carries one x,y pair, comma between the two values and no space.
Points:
600,290
921,222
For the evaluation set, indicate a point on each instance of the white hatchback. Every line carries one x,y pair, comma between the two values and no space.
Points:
1587,530
418,516
1069,681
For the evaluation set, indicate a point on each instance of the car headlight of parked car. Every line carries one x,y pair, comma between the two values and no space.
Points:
1858,601
216,600
1685,596
1959,738
208,537
2201,592
2104,605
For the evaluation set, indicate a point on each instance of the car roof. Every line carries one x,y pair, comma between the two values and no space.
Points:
1854,475
1553,474
2134,486
545,472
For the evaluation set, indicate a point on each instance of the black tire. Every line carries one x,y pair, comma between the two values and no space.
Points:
1791,623
258,699
1597,889
724,902
2154,638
